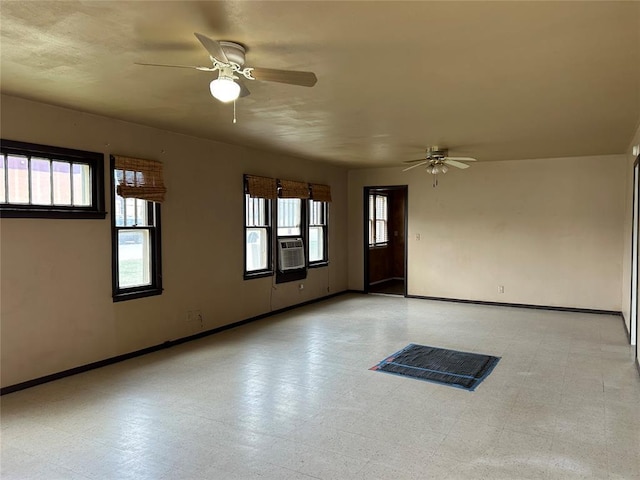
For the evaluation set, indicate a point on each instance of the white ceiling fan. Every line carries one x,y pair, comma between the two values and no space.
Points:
228,60
436,160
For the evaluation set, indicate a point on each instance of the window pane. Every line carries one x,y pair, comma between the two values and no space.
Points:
316,244
81,185
372,218
289,216
381,207
248,210
256,249
134,258
381,231
313,213
40,181
256,212
371,238
18,173
3,193
141,206
61,183
119,211
316,213
372,204
130,177
130,211
377,219
249,219
260,210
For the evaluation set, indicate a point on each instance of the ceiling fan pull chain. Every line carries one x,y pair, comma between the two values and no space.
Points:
234,111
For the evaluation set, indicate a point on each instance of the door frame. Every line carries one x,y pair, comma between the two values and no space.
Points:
635,255
365,230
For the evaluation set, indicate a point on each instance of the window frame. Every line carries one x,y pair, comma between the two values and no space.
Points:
94,160
120,294
268,214
373,220
301,225
300,273
325,235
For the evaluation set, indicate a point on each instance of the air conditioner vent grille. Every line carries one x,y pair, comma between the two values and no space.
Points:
290,254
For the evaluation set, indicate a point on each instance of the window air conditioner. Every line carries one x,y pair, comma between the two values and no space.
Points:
290,254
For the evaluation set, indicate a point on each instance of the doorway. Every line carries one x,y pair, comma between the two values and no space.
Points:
385,234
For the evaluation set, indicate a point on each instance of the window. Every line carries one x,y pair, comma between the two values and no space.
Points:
137,266
40,181
259,191
291,260
378,235
291,255
318,233
285,227
289,217
257,235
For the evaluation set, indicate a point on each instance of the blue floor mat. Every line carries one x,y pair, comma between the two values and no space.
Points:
449,367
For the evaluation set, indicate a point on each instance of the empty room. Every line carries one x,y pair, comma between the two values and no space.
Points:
319,240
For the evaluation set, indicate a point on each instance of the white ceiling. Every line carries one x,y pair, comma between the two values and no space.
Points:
494,80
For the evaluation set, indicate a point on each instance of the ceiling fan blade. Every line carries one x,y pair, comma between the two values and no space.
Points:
416,165
304,79
244,91
461,159
202,69
455,163
414,161
213,47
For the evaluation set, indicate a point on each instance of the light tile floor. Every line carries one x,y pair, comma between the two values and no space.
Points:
291,397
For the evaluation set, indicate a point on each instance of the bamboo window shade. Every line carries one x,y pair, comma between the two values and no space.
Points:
293,189
320,193
261,187
142,179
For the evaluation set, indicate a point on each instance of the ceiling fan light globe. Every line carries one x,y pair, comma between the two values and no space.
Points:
224,89
444,168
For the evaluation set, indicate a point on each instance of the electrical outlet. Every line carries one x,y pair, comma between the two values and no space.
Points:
500,288
417,236
301,286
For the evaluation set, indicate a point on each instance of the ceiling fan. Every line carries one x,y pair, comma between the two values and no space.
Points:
436,160
228,60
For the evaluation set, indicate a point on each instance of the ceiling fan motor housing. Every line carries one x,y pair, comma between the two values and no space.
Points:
234,51
437,153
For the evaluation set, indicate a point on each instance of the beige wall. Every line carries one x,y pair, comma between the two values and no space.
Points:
551,231
56,310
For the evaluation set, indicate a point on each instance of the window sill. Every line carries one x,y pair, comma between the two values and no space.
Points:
319,264
251,276
378,246
123,296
